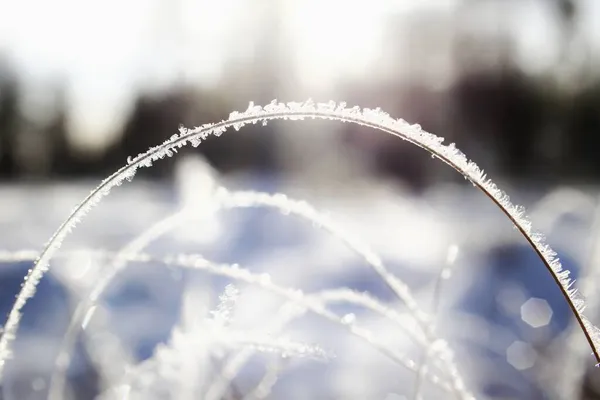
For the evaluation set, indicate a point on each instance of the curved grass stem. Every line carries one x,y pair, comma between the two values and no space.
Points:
376,119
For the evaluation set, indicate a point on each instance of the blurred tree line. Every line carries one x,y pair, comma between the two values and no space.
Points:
504,119
530,130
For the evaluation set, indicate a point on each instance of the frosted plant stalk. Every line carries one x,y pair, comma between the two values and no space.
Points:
207,338
225,199
374,118
297,303
295,296
289,312
265,386
571,380
305,210
444,274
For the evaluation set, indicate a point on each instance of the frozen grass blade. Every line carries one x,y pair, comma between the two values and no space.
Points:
290,311
208,339
571,380
305,210
298,304
376,119
224,199
297,297
265,386
445,273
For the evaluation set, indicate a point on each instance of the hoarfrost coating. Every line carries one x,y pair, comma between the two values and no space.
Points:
374,118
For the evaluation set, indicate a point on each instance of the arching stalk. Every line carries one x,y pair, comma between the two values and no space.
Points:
376,119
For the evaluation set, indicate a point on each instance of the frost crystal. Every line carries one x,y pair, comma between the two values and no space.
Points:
222,314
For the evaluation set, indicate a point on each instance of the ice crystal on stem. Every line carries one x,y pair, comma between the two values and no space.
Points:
374,118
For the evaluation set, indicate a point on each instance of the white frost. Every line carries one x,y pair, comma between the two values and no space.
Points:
374,118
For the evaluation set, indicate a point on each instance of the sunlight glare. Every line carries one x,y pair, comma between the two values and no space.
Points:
334,39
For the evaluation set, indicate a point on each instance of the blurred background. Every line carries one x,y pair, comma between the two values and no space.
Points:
514,83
